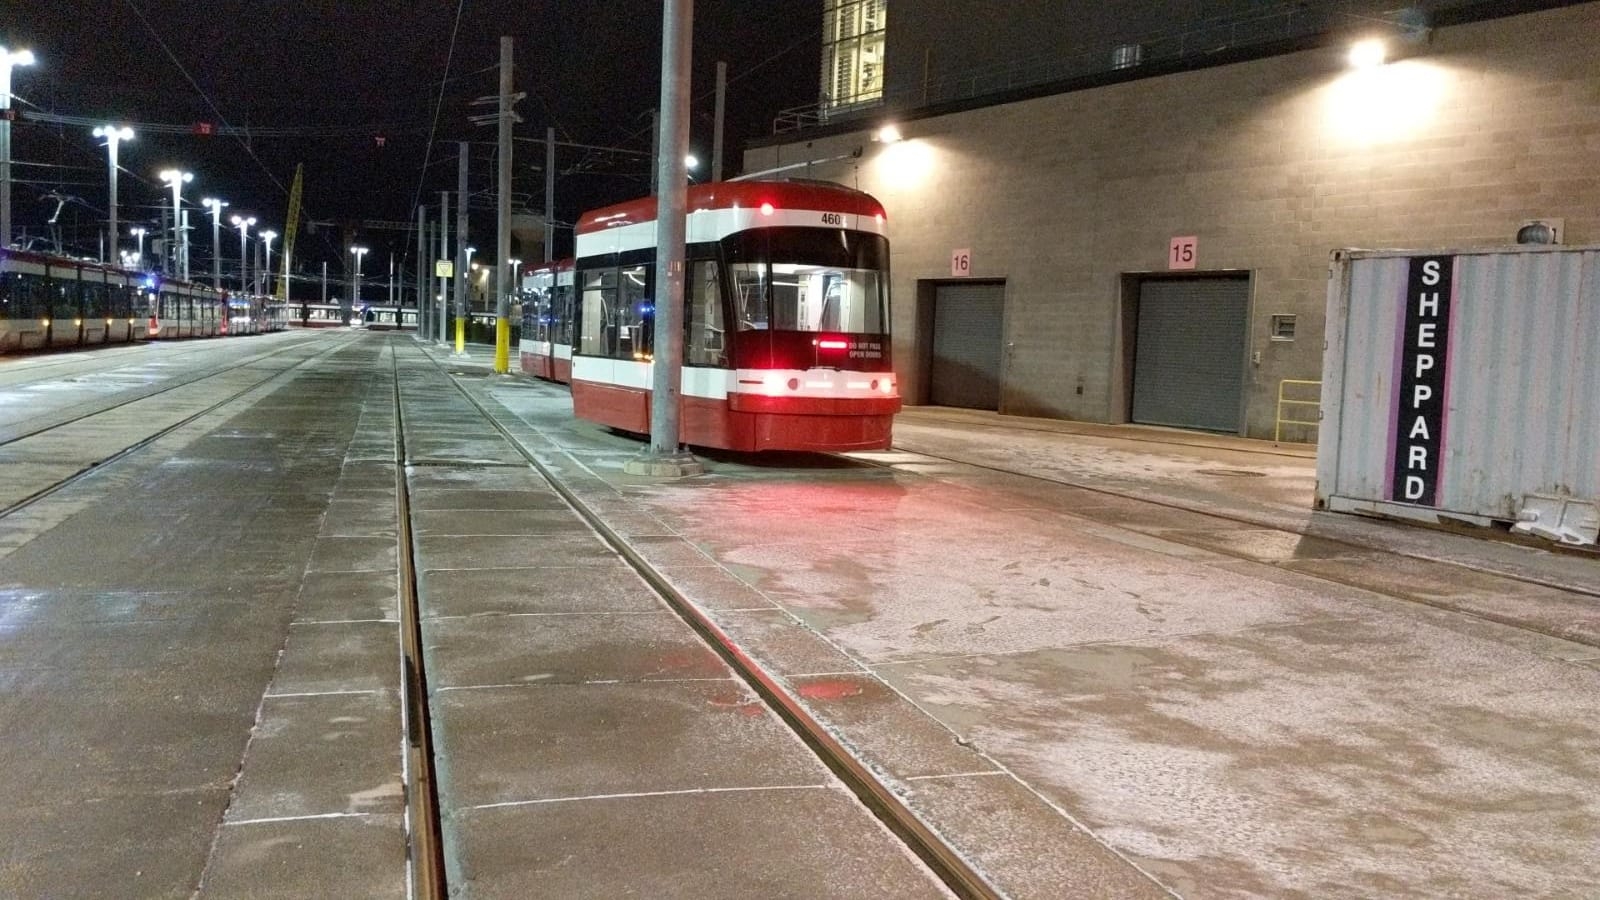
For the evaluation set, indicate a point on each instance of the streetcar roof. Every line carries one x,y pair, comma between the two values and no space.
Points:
788,194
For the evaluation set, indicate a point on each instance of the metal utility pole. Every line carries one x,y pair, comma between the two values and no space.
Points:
391,288
716,133
459,283
355,290
549,194
422,271
307,318
441,313
655,142
183,216
216,206
166,227
666,456
502,249
113,136
8,59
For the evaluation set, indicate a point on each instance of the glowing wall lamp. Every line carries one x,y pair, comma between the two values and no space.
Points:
1368,54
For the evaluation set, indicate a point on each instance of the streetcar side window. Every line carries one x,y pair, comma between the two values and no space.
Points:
563,315
64,300
598,316
636,315
706,344
94,299
17,292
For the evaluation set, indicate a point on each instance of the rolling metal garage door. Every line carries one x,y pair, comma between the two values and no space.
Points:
1188,368
966,345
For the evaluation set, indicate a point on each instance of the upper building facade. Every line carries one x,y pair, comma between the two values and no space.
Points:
1150,244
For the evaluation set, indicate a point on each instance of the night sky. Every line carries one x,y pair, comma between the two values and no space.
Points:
361,70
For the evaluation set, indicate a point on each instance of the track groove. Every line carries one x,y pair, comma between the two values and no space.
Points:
947,864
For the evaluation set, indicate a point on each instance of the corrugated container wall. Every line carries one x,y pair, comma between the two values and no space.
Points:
1464,385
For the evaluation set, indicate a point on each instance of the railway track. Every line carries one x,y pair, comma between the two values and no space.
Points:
427,852
80,412
1187,538
122,401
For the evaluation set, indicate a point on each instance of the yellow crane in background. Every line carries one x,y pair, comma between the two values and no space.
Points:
291,226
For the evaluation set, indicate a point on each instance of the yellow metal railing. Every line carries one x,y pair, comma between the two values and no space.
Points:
1289,404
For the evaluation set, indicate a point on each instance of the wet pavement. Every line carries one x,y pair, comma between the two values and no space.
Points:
1099,662
1062,640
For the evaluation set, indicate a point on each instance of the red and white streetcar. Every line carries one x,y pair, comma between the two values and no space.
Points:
786,314
546,345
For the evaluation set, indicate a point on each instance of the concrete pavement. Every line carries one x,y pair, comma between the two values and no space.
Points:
1102,663
1231,706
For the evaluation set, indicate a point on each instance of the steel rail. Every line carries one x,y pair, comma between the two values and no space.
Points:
136,395
1262,525
424,841
146,441
945,862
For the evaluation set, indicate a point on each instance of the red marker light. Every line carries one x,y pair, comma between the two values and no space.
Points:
766,209
833,345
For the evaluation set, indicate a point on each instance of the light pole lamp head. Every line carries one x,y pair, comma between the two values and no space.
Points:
138,232
175,177
243,222
269,236
215,205
113,134
16,57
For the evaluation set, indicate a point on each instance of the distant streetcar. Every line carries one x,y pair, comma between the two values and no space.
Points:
546,345
787,318
51,302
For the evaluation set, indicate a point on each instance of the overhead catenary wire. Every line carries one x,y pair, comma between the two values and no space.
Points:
133,4
433,130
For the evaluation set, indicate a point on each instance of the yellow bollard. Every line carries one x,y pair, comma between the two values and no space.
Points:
502,345
461,335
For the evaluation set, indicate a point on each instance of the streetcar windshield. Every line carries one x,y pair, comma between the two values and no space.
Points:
809,279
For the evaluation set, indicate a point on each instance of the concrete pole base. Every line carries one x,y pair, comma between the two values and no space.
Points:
678,465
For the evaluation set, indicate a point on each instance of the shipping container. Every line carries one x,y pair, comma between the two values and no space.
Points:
1464,386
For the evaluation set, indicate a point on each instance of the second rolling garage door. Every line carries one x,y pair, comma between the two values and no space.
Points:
966,345
1188,367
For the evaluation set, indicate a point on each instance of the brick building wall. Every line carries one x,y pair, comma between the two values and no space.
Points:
1271,164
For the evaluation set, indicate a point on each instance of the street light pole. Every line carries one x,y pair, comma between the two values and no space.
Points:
139,233
113,136
355,294
268,237
177,179
8,59
244,223
216,207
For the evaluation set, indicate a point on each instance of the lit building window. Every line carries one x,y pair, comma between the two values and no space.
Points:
852,52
